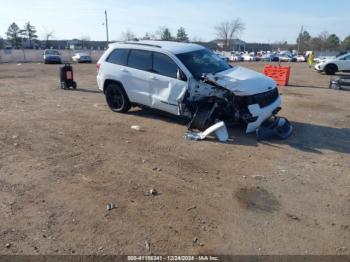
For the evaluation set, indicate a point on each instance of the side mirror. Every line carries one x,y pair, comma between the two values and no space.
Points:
181,75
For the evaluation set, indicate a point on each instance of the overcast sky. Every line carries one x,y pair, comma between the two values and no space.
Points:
266,21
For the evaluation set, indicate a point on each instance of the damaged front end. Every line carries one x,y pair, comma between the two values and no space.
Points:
231,98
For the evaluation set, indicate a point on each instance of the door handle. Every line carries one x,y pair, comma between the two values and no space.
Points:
153,78
123,70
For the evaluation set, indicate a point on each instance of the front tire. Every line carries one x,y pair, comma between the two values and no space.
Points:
117,99
331,69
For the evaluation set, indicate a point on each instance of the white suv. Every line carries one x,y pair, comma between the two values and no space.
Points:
332,65
186,80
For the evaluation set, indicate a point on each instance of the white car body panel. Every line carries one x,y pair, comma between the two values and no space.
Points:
323,58
300,58
137,84
248,58
244,82
262,114
166,93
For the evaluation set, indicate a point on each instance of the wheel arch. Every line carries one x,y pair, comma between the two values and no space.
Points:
110,81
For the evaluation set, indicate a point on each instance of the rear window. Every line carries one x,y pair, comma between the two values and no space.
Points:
140,59
164,65
118,56
52,52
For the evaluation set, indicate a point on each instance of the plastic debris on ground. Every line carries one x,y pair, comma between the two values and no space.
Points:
136,127
110,206
153,192
280,128
340,83
219,129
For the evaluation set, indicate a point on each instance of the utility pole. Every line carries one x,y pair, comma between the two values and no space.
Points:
107,27
300,36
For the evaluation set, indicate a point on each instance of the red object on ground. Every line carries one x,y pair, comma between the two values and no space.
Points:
69,75
278,73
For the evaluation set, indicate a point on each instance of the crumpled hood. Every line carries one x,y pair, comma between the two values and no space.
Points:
243,82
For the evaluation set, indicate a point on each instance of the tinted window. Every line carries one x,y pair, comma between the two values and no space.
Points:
52,52
164,65
118,56
203,61
140,60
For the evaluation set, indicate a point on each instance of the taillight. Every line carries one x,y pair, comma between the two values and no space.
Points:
98,67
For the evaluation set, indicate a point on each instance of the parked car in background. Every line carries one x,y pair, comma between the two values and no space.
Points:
300,58
258,58
285,58
332,65
82,58
187,80
322,58
52,56
249,57
269,58
236,58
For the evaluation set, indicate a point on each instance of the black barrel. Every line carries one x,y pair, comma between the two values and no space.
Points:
66,77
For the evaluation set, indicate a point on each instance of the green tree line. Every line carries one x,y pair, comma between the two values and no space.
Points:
17,36
163,34
322,42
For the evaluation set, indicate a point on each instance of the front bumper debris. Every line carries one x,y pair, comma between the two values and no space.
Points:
219,129
275,128
340,83
262,114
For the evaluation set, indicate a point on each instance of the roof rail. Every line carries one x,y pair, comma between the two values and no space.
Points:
142,44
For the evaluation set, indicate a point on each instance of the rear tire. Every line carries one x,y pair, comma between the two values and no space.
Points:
331,69
64,86
117,99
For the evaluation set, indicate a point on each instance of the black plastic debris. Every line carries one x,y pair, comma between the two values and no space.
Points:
340,83
275,128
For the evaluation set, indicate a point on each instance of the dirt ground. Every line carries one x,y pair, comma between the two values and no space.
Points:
64,156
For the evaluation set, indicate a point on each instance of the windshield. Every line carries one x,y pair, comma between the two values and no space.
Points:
52,52
202,62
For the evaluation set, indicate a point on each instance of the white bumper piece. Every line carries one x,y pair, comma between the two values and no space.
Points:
219,129
262,114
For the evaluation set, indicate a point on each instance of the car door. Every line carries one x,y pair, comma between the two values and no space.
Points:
166,90
139,66
344,63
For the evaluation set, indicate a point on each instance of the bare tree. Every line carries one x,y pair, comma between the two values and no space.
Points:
47,35
227,30
128,35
